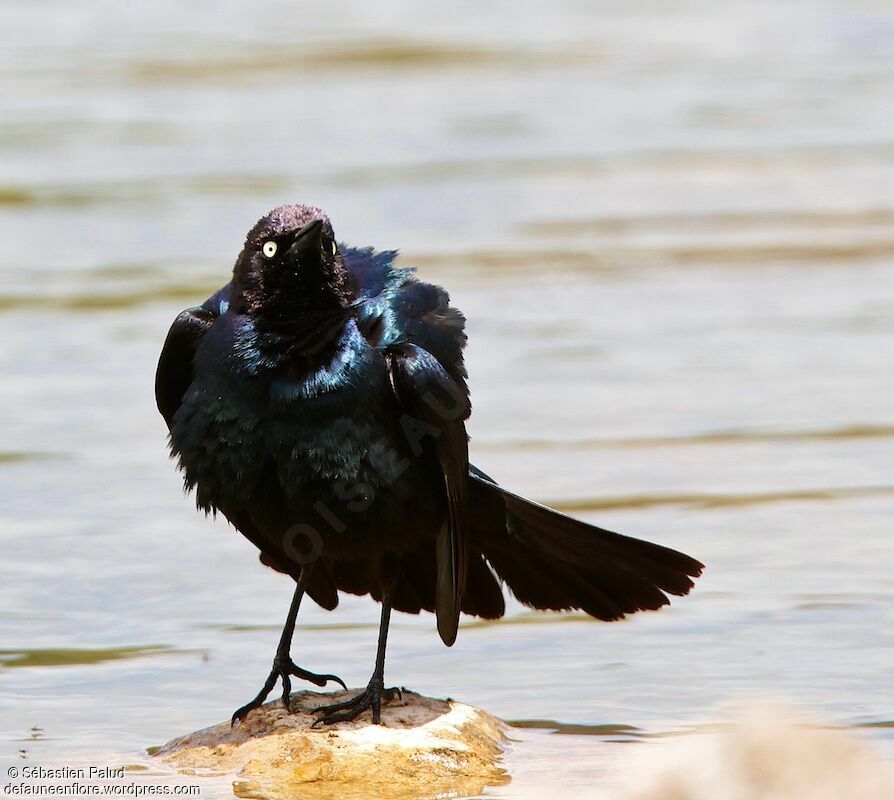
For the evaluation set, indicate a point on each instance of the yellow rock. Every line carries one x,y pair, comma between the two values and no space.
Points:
424,748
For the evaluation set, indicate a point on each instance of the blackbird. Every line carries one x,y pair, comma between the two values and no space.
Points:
318,401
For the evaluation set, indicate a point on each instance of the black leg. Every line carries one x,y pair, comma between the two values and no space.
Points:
283,666
371,697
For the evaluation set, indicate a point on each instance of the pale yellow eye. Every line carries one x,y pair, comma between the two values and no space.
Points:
334,248
269,249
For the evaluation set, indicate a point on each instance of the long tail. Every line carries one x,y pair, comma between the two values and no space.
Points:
551,561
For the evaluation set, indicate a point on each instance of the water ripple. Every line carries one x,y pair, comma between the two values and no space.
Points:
710,501
63,657
845,432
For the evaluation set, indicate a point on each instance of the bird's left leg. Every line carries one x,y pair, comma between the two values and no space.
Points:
283,666
371,697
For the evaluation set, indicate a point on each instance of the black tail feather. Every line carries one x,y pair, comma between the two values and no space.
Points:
415,588
483,596
552,561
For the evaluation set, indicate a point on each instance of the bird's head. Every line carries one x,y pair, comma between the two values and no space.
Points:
290,265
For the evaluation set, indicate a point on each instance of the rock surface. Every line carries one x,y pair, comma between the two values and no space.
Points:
424,748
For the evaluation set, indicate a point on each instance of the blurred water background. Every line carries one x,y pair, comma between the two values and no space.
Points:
670,227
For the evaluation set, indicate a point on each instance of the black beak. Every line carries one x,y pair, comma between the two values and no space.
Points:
306,239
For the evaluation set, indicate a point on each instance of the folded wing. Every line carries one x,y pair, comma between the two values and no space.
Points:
435,406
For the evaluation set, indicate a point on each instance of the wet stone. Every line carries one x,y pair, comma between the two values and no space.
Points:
424,748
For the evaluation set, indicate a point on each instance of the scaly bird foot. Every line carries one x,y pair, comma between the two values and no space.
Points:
283,668
370,698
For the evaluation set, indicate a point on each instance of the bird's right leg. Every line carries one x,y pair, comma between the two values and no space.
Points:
283,666
375,692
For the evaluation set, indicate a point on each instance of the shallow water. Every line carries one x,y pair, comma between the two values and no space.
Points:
670,228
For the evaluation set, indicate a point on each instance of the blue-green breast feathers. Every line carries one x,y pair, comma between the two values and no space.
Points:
393,307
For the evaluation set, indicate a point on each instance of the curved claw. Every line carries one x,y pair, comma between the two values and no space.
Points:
370,698
242,712
283,669
314,678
